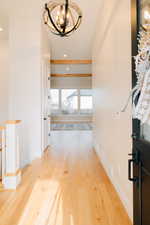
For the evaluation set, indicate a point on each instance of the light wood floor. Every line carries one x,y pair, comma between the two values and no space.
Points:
68,186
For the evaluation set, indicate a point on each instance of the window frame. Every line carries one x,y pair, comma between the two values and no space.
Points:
51,99
79,111
84,110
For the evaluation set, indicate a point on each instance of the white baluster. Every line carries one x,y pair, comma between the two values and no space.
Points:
12,177
3,153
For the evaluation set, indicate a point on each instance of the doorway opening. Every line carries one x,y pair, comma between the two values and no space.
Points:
71,97
72,109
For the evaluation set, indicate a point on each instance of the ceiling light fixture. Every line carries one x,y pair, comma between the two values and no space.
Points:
1,29
62,17
145,15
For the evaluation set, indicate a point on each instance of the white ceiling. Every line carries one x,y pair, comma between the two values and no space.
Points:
79,44
4,20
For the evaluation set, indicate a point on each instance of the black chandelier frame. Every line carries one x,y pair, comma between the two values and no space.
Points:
55,29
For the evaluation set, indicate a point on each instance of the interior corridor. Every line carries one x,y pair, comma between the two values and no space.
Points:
68,186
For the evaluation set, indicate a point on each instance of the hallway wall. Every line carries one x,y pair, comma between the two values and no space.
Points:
71,82
112,84
4,87
4,79
26,75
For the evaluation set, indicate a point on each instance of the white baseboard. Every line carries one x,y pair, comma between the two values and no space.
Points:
120,193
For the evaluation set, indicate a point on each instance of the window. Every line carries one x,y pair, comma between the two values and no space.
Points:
55,99
69,100
86,100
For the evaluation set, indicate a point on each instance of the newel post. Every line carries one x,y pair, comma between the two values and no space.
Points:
12,177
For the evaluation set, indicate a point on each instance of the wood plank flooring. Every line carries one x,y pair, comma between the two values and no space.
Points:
68,186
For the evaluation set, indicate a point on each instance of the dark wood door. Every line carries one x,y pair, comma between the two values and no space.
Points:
142,182
140,158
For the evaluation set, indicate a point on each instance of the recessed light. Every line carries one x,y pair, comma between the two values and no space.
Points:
65,55
1,29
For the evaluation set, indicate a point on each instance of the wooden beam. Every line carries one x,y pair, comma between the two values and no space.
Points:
71,75
13,121
75,61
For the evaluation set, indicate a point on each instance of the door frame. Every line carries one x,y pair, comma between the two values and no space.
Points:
45,120
139,144
134,33
135,122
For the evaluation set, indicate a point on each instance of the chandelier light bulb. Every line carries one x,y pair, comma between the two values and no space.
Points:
147,15
58,13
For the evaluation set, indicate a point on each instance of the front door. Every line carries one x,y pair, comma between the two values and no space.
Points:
140,158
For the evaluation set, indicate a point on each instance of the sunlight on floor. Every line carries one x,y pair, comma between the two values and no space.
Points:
42,204
68,186
50,203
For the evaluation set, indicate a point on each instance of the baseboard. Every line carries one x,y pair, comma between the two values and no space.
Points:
116,188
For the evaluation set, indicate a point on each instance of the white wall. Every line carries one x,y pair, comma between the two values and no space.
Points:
71,82
70,68
4,87
112,84
4,79
25,75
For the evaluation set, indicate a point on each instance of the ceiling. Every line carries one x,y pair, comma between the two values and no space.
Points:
79,44
3,21
4,26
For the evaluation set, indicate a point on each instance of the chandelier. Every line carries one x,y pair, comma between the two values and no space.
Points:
145,15
62,17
